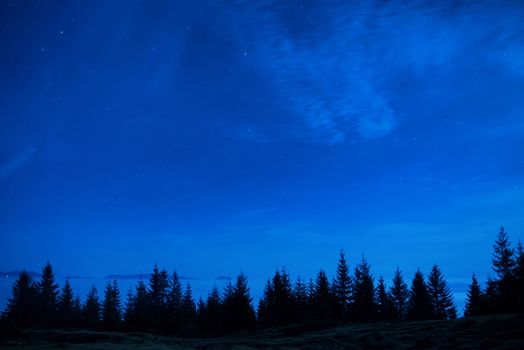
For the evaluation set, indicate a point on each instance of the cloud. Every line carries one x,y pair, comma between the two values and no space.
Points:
332,64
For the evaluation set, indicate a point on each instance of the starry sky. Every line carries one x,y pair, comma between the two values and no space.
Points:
218,136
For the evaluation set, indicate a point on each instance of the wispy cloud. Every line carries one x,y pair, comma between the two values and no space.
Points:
332,63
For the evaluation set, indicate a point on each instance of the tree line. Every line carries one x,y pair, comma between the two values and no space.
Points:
164,305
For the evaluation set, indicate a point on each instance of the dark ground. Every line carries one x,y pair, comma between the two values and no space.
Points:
489,332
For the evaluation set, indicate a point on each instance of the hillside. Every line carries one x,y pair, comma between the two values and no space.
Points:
488,332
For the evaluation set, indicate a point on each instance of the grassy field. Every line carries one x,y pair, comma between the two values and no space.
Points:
491,332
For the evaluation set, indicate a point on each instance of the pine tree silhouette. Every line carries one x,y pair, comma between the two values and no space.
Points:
48,296
91,309
419,304
399,295
343,288
323,301
214,317
281,307
383,302
174,303
112,307
363,307
504,265
158,298
137,309
21,306
238,311
188,312
474,299
66,305
301,300
440,296
503,262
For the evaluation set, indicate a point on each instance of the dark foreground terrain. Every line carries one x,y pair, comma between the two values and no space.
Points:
490,332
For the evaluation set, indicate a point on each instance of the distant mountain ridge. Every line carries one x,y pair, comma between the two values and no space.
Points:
14,274
141,276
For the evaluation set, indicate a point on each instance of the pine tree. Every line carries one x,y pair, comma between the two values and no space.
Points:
238,311
91,310
282,302
112,307
137,308
301,299
503,262
342,287
440,296
188,305
473,299
158,298
48,296
419,304
174,303
363,307
322,304
187,313
504,265
21,306
66,304
213,322
399,295
382,301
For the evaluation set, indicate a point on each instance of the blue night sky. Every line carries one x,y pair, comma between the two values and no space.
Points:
217,136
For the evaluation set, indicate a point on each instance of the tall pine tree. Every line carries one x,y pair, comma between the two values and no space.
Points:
91,309
383,302
48,296
399,295
474,299
419,304
363,307
174,303
238,311
66,305
322,299
137,308
342,288
440,295
158,298
21,306
504,265
112,307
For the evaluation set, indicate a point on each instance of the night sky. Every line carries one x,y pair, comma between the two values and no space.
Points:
212,137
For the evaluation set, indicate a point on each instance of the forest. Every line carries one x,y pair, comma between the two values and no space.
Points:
164,306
